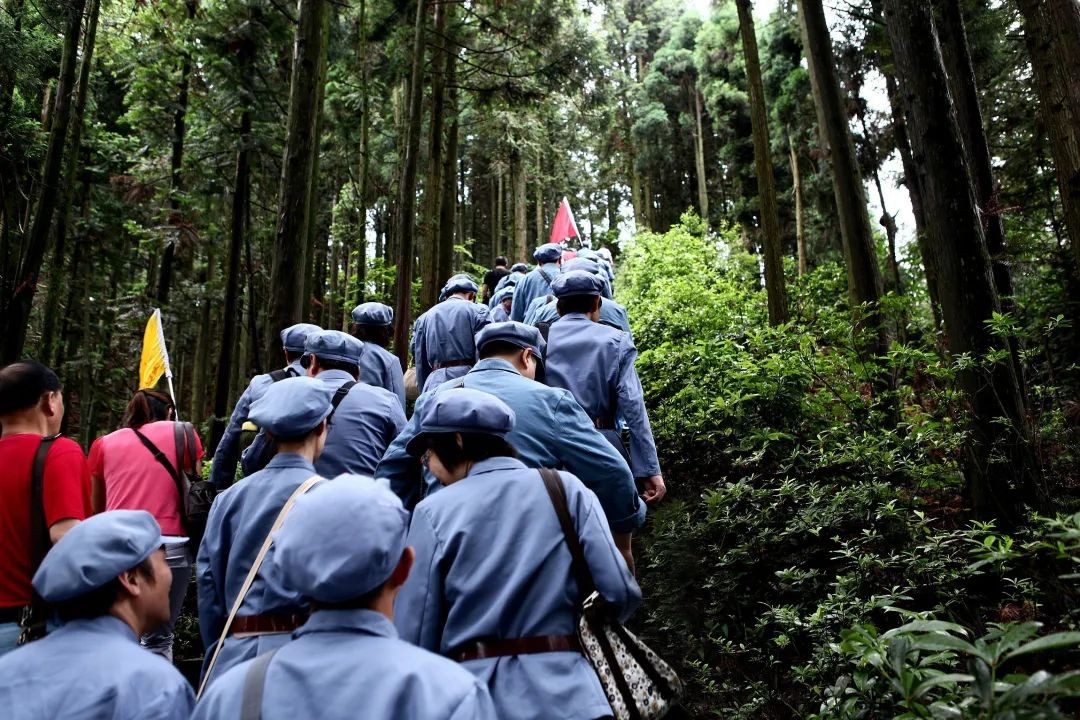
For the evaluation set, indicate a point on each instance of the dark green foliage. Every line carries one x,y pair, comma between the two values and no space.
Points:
804,499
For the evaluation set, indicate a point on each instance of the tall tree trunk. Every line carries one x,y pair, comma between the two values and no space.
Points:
433,194
911,181
800,233
448,208
500,209
15,305
365,124
996,459
888,223
315,253
1052,35
775,288
288,268
230,318
176,164
48,350
699,154
203,342
406,202
864,277
517,163
957,57
539,190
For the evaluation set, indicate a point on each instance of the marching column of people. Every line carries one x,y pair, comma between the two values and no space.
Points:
366,564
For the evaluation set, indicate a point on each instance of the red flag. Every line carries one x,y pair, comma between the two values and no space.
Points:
564,226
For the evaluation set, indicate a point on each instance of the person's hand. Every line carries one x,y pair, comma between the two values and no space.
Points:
655,489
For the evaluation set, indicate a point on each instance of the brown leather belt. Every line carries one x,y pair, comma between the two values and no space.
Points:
265,624
452,363
603,424
482,649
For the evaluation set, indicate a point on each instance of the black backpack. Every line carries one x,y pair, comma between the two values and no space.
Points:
263,448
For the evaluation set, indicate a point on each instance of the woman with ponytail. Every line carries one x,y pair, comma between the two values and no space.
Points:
135,468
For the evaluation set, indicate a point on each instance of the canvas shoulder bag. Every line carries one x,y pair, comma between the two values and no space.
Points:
639,685
254,573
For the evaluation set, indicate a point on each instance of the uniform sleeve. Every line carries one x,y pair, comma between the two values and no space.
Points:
211,578
482,320
522,297
643,460
65,483
396,380
610,574
228,450
418,608
400,468
477,705
586,454
395,420
420,359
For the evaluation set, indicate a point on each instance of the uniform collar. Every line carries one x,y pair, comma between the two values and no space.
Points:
295,365
496,464
367,622
494,364
575,317
105,624
330,375
290,460
553,267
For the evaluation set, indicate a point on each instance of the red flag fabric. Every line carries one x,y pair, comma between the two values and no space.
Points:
564,226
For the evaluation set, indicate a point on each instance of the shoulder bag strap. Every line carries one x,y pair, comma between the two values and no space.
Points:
39,528
255,686
254,572
338,397
175,474
579,566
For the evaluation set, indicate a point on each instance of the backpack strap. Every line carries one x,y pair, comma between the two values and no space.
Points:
255,686
40,541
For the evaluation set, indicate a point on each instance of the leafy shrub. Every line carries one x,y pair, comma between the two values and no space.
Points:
811,489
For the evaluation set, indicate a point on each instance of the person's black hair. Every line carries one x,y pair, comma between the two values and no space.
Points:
501,261
474,447
577,304
328,364
291,357
23,383
376,334
100,600
497,348
147,406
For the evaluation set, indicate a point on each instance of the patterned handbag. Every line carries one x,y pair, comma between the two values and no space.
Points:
638,684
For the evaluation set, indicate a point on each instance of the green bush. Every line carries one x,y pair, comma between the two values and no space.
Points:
811,489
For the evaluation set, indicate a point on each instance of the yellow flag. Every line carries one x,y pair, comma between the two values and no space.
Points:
155,358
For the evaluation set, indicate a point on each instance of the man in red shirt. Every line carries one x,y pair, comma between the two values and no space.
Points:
31,408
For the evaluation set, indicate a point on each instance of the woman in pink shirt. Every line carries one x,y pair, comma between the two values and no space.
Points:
126,474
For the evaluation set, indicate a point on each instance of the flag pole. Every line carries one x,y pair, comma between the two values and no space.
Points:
168,365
